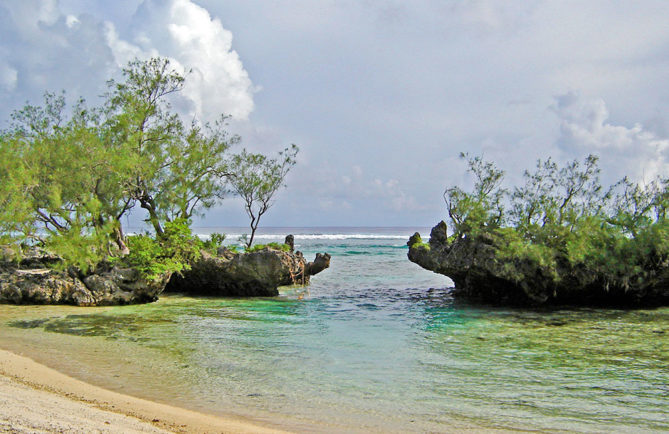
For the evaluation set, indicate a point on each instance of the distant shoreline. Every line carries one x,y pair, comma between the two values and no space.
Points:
57,401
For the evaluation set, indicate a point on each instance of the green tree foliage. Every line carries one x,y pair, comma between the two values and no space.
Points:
56,181
17,181
173,169
257,178
635,207
562,218
214,241
67,177
483,207
172,251
554,196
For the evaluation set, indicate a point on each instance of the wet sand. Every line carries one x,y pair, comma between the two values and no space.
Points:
36,398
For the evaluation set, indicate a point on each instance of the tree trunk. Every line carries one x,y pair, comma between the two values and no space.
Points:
120,242
253,233
148,205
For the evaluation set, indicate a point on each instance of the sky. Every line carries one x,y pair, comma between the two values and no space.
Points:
380,96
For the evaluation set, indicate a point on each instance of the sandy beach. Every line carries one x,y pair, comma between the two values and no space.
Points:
35,398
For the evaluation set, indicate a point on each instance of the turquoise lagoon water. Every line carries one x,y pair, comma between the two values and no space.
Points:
375,343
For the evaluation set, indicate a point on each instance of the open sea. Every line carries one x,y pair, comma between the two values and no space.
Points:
375,343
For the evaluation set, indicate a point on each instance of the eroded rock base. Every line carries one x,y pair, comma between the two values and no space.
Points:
481,273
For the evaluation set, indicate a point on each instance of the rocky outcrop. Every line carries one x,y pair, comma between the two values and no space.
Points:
481,273
321,262
30,279
43,286
253,274
36,278
115,285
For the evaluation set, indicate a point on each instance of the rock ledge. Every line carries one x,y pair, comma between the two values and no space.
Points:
259,273
480,273
30,280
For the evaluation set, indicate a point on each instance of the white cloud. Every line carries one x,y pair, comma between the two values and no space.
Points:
633,151
396,89
124,51
8,77
30,14
71,21
43,49
337,191
186,33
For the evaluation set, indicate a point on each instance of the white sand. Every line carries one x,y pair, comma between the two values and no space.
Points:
27,410
35,398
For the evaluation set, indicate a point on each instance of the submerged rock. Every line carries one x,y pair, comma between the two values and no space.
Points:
258,273
481,273
29,279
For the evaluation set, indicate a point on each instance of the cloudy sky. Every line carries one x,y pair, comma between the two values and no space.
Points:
381,96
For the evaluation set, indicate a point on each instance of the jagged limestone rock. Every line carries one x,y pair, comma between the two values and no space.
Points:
29,279
254,274
481,272
43,286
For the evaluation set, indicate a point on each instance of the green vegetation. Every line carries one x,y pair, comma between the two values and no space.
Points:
276,246
257,178
214,241
171,251
562,222
67,178
418,243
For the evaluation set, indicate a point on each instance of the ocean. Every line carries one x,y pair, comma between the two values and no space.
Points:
375,343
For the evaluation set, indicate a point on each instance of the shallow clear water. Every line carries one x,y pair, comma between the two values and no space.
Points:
375,343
